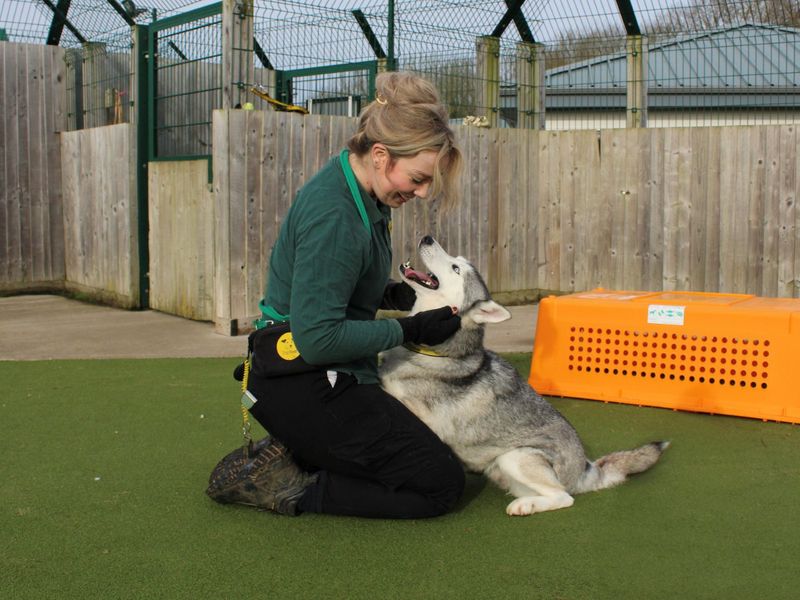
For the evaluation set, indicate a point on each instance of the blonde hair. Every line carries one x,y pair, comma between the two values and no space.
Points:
408,118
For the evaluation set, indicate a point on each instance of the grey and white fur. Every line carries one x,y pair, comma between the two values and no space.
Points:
479,405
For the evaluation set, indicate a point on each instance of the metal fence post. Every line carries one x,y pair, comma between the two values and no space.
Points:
74,62
488,71
237,52
138,140
636,50
530,85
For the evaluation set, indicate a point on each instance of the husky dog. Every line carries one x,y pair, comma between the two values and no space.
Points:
478,404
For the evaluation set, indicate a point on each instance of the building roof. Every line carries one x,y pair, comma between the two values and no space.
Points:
744,66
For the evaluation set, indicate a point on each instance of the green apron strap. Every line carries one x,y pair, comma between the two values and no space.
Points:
356,193
269,314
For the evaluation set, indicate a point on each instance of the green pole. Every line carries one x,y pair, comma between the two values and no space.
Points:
143,126
390,41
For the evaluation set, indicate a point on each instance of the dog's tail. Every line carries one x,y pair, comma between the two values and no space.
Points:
614,468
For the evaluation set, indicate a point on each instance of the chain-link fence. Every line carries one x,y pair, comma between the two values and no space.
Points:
704,63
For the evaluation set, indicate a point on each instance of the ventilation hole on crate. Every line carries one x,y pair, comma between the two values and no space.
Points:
658,355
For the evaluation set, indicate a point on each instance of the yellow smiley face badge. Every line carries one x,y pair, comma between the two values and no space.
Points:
286,348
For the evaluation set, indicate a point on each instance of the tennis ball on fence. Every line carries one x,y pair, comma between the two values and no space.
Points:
248,106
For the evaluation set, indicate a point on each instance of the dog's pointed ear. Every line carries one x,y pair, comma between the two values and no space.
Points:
489,312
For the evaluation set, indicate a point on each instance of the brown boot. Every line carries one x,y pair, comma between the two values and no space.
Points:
268,478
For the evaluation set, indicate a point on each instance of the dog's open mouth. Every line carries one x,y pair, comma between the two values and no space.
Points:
428,280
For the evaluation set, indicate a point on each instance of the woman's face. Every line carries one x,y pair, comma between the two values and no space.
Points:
395,182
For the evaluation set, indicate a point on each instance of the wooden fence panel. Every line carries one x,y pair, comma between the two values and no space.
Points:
181,215
100,220
542,211
789,216
31,115
699,176
587,153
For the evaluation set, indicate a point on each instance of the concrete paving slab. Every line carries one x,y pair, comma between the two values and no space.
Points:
45,327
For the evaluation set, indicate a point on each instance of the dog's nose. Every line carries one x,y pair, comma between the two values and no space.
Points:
426,241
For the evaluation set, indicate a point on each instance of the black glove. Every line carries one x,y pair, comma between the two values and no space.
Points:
430,327
398,295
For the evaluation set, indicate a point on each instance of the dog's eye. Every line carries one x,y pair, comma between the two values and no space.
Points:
456,269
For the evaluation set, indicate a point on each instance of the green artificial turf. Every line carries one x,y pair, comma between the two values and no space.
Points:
104,464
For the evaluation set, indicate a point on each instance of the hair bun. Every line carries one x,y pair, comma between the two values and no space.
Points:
402,88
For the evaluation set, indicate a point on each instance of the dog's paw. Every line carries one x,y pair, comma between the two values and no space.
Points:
521,507
527,505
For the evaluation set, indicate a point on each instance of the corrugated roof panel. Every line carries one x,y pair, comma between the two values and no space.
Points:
740,57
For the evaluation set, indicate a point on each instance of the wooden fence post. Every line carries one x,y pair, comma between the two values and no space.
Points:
530,86
636,50
488,66
237,52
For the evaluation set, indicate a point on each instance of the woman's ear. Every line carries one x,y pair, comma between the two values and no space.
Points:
379,154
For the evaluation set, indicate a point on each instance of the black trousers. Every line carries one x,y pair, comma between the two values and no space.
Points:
374,457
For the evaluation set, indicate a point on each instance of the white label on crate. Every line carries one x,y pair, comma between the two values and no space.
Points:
664,314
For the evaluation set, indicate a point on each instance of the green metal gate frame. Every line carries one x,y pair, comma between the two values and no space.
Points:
283,79
146,119
154,28
141,33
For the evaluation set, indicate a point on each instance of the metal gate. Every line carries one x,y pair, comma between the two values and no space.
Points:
333,89
183,79
184,70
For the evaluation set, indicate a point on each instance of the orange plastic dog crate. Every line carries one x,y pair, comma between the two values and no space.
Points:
730,354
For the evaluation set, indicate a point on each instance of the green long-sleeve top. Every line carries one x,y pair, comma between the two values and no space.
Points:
329,274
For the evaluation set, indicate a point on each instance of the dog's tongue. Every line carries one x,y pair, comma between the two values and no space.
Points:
422,277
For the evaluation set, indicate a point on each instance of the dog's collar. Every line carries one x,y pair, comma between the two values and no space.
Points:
426,350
